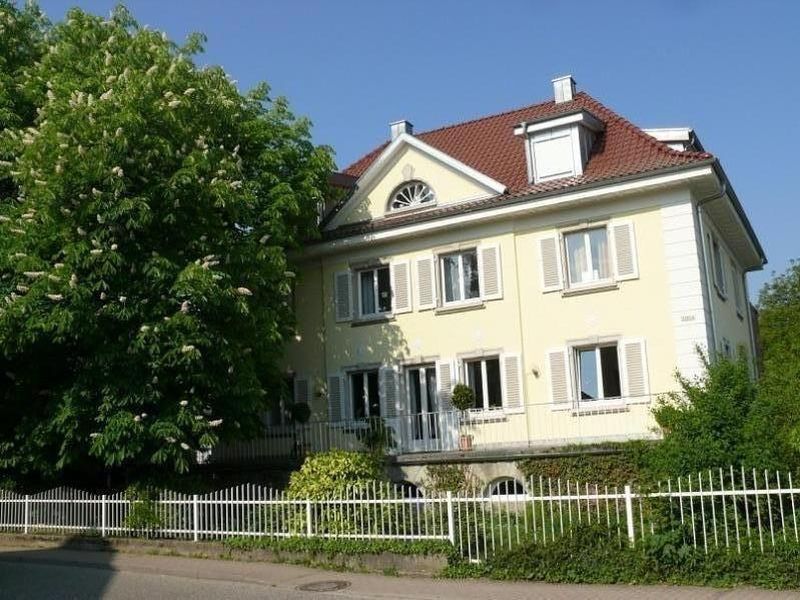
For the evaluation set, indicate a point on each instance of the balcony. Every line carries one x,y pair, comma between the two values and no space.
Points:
537,429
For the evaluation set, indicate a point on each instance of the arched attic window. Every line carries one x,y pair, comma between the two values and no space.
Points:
412,194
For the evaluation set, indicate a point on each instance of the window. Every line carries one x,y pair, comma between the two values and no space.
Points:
727,350
719,271
588,258
374,291
483,376
410,195
278,413
460,276
598,372
364,396
505,487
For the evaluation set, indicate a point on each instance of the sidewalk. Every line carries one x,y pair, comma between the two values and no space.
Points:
284,580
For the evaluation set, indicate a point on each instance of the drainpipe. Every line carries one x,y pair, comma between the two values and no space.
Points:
704,251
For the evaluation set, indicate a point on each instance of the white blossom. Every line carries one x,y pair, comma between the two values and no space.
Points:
184,445
107,94
264,238
185,306
96,251
113,246
152,70
144,328
137,418
96,192
33,274
94,434
4,219
174,103
144,415
243,291
55,297
184,403
171,440
189,91
215,423
123,299
117,171
198,417
81,231
186,349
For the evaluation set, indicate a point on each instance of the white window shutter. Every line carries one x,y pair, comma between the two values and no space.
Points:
490,272
512,384
560,379
388,390
625,250
343,295
335,398
426,283
550,255
301,391
445,380
401,286
634,359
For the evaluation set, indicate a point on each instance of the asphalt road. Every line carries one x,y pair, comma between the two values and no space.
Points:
46,573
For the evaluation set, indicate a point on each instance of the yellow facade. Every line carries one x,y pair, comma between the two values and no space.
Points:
650,308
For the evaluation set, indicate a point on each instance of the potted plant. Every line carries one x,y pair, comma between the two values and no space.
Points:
463,399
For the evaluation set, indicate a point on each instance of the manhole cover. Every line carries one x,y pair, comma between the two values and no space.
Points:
324,586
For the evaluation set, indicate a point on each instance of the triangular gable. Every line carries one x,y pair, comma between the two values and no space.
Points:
386,159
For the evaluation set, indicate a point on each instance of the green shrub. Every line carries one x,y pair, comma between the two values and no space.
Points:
334,474
450,478
463,398
613,464
704,422
143,512
591,555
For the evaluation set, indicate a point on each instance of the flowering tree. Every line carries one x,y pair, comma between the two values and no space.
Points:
143,271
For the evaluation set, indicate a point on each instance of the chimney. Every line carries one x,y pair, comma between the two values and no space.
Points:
563,88
399,127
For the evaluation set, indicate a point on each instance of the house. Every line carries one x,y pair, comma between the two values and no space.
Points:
558,259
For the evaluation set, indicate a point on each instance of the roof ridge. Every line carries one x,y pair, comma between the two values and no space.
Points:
502,113
638,131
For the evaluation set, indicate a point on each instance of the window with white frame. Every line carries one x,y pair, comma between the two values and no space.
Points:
588,257
374,292
364,394
483,377
719,270
598,373
460,281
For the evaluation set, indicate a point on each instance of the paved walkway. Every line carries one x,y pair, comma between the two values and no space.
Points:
55,573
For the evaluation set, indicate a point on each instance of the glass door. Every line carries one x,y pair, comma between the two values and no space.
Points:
423,408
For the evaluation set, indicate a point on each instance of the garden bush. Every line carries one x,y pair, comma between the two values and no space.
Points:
591,555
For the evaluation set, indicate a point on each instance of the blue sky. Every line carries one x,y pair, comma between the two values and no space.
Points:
728,69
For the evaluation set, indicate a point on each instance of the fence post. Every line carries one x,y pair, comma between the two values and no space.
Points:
196,518
309,524
629,514
451,519
27,513
103,515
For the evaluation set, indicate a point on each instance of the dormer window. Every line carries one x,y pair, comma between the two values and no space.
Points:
412,195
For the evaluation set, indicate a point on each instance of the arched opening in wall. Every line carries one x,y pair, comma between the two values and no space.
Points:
406,489
505,487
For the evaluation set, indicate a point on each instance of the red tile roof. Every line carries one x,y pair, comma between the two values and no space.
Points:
489,145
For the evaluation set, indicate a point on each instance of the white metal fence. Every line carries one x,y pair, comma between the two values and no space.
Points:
727,508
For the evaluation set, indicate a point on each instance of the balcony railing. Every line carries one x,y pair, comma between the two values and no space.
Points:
539,426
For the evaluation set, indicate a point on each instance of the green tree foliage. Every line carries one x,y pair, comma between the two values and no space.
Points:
331,474
22,35
774,428
703,423
143,262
